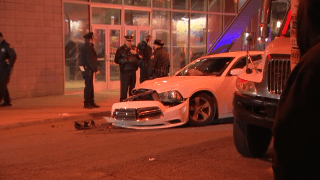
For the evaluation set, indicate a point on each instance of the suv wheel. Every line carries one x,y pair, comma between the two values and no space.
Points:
251,140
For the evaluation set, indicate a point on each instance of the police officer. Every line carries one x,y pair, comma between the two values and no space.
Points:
145,51
127,56
160,62
88,66
7,59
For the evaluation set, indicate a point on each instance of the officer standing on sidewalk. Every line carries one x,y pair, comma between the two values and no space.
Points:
88,66
146,51
160,60
127,56
7,59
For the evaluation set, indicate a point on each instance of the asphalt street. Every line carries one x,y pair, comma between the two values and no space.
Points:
56,150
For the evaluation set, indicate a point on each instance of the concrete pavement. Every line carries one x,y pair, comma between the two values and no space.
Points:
28,111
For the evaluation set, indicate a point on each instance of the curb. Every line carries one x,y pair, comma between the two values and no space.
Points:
83,117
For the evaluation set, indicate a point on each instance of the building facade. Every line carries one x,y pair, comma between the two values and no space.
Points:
47,34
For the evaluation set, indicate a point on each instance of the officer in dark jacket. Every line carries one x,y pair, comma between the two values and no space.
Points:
88,66
127,56
7,59
160,62
145,51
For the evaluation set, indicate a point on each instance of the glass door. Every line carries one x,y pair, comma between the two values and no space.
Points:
106,42
114,69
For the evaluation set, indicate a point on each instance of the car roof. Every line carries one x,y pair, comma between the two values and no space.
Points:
233,54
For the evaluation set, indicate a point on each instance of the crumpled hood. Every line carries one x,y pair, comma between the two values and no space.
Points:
179,83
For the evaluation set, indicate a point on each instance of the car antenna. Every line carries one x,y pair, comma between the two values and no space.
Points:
250,43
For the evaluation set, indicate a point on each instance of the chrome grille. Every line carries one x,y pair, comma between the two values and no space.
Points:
129,114
139,114
149,113
278,73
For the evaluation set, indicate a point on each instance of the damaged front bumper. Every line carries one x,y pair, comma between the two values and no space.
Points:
149,114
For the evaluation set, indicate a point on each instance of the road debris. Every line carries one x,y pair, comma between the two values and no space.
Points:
84,125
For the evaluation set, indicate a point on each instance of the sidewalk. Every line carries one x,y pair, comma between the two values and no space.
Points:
30,111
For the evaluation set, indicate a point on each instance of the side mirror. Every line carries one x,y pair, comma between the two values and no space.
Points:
235,72
249,39
264,30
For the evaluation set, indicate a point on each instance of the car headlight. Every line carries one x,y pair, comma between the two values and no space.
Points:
170,96
246,87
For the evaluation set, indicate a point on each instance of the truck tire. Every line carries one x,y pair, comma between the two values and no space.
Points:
251,140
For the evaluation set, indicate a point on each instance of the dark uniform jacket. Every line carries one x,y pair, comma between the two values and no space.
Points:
297,123
7,59
146,52
160,62
126,60
88,57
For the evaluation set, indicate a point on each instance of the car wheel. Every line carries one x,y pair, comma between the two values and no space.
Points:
202,110
251,140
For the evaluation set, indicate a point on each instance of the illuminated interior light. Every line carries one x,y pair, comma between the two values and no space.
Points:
278,24
185,19
246,34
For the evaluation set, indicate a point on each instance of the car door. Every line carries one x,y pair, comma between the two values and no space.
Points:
227,86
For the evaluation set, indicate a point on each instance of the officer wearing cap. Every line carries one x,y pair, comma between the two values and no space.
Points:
145,51
88,66
7,59
160,63
127,56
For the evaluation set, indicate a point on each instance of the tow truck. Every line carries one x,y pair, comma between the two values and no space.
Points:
258,90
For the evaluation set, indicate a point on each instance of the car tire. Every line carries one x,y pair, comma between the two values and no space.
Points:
251,140
202,110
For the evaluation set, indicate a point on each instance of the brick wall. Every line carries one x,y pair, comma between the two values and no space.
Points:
34,29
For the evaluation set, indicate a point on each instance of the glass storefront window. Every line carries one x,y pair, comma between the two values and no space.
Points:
145,3
227,20
107,1
114,44
199,5
198,35
180,31
230,6
162,4
215,25
188,28
215,5
137,18
76,24
161,28
181,4
106,16
240,4
99,46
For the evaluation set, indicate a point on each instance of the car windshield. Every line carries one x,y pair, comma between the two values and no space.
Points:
206,67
